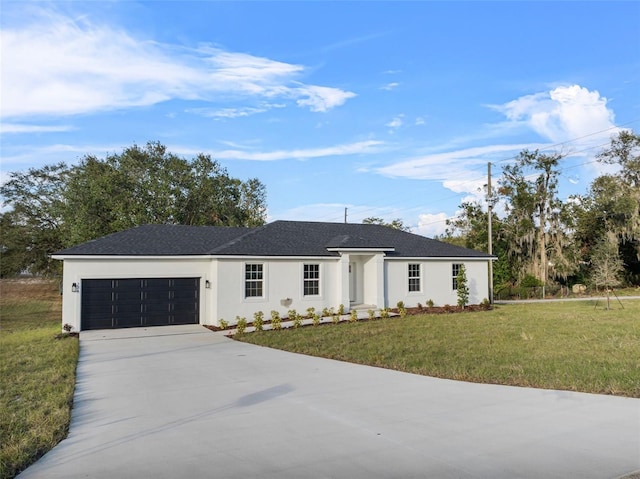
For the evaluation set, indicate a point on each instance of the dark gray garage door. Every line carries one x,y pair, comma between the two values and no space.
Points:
128,303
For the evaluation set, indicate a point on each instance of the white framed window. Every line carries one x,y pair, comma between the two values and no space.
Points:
414,277
253,280
311,280
455,270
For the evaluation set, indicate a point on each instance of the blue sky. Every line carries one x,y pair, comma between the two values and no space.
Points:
390,109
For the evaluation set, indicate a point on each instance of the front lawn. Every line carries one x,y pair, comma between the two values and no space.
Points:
37,373
571,346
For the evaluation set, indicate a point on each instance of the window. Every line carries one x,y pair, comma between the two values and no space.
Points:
414,278
311,280
455,269
253,280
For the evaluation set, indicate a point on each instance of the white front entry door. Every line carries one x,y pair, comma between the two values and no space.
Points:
352,282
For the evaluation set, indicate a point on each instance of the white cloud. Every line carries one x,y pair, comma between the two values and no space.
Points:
566,113
395,123
419,121
226,112
360,147
22,128
454,166
430,224
320,98
390,86
58,65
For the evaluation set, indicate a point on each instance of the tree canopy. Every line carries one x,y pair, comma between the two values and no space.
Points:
60,205
542,237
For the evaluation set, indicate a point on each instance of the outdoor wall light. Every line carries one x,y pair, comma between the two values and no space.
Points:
207,284
75,288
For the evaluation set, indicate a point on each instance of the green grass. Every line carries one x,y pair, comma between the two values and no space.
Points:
37,374
569,346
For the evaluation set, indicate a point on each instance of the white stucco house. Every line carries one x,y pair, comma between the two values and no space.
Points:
170,274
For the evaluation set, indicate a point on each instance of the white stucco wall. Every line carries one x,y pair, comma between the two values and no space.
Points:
282,287
436,282
380,282
75,270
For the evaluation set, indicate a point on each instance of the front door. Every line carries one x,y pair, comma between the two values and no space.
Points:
352,283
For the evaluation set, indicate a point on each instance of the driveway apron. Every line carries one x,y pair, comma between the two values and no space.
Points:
182,401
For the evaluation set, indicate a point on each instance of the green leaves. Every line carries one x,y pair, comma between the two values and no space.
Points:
59,206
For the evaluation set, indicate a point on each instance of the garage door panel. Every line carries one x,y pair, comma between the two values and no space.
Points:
122,303
127,296
185,307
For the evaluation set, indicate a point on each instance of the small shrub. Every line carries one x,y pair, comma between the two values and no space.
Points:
384,313
223,324
430,303
372,314
485,305
297,321
241,325
67,328
258,320
316,319
335,319
326,312
311,311
291,314
401,309
447,308
341,309
420,307
463,287
353,315
276,321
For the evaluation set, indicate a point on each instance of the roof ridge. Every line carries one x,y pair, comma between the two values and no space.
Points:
251,231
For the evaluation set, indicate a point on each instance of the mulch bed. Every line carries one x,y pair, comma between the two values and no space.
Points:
447,309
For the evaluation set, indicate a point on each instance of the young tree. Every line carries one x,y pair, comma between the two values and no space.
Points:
606,264
463,287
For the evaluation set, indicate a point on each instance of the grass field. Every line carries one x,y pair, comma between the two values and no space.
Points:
37,373
570,346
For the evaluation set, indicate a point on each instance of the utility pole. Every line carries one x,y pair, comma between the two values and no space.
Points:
345,215
489,230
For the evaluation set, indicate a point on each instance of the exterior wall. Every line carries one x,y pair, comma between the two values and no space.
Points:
435,282
380,282
75,270
282,287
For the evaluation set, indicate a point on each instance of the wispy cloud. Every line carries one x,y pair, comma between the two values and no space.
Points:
23,128
58,65
357,148
395,123
571,119
390,86
229,113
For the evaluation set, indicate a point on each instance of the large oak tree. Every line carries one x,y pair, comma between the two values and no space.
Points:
59,206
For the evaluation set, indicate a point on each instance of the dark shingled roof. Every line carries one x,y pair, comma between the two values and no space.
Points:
280,238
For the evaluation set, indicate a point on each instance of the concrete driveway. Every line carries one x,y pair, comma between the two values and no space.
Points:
181,401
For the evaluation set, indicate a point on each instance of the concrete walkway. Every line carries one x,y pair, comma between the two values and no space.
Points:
181,401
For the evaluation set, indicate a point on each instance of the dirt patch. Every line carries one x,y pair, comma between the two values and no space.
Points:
29,288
